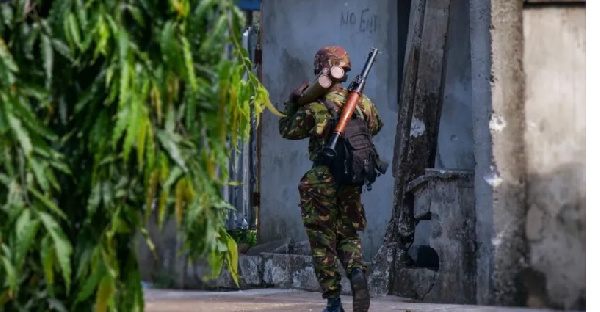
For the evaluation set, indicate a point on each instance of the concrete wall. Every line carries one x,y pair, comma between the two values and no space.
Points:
292,32
554,67
498,125
528,78
455,137
480,22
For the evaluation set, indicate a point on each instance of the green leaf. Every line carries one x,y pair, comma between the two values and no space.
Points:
133,126
136,14
21,133
47,259
124,92
170,121
33,34
122,121
72,28
26,229
168,44
62,246
168,143
48,203
91,283
141,142
7,58
28,119
94,199
113,76
174,175
11,274
107,194
85,251
62,48
56,305
38,171
189,64
7,14
48,59
60,166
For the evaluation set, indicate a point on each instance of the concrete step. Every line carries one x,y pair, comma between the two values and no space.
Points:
278,271
281,264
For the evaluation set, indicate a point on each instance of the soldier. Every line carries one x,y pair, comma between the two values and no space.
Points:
332,214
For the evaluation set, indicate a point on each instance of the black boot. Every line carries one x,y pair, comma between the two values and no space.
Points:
334,305
360,291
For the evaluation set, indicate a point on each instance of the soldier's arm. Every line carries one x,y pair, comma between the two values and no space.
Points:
298,123
374,122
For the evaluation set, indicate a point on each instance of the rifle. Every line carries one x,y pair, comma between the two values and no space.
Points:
355,91
323,82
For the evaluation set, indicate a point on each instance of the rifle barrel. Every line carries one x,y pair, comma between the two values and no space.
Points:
356,89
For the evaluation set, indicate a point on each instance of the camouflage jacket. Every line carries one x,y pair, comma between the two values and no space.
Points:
314,120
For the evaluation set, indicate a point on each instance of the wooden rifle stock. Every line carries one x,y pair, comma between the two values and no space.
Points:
355,91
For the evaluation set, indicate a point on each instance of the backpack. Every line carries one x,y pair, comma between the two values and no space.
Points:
355,162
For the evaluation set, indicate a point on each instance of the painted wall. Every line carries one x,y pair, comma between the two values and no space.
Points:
481,65
292,32
455,136
528,78
554,67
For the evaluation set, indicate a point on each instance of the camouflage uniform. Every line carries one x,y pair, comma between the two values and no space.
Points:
332,215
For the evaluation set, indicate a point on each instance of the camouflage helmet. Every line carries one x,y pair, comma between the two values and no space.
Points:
330,56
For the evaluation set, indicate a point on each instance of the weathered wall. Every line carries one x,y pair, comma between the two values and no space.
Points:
480,22
554,67
455,136
454,140
498,122
528,69
292,32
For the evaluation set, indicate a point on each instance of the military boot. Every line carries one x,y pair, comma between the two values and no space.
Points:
360,291
334,305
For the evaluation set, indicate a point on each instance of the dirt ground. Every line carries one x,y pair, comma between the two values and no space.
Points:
286,300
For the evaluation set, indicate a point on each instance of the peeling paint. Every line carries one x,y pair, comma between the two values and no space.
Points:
497,240
497,123
493,179
417,127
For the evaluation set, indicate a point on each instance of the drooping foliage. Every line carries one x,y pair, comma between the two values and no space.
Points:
111,110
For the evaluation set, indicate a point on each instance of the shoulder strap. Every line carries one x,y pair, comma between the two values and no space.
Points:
330,106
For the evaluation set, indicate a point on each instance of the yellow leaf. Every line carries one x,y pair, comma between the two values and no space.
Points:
262,99
156,100
141,142
151,191
149,242
211,169
179,8
179,194
190,192
232,259
104,294
162,205
5,297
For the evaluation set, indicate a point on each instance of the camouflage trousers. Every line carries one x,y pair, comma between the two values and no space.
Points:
332,218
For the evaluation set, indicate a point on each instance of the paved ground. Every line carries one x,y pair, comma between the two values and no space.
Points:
285,300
